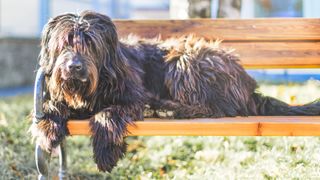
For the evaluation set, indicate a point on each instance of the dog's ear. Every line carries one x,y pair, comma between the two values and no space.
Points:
112,50
45,57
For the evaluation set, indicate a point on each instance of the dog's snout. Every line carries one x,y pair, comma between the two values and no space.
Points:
74,68
74,65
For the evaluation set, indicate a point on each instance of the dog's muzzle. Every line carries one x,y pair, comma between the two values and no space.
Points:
75,69
74,66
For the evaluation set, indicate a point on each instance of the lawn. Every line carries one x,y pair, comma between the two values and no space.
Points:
171,157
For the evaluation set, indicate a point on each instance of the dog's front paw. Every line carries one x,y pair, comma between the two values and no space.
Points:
163,113
40,137
148,112
108,129
104,116
106,155
48,134
110,123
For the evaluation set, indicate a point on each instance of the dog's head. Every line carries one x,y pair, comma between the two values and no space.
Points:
74,51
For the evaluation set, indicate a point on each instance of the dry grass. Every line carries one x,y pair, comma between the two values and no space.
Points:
172,157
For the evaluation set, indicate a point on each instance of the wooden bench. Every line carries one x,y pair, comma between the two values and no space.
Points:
261,43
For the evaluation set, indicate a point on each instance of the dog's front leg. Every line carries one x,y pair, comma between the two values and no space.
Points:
51,130
109,127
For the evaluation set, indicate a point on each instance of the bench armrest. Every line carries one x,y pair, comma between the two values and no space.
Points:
39,95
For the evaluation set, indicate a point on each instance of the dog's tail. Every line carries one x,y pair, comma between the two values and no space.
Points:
269,106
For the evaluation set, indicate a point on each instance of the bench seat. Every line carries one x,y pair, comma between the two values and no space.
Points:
261,44
229,126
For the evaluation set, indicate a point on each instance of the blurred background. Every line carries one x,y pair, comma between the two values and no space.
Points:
21,23
26,18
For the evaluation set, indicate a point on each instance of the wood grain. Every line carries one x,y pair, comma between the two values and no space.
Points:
226,29
237,126
260,43
277,54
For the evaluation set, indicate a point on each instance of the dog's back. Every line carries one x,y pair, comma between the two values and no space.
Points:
193,77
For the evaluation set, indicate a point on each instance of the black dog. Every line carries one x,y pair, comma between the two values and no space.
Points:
90,73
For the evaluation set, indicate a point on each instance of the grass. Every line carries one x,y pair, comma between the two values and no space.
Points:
171,157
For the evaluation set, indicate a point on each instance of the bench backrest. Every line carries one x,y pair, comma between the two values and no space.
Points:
261,43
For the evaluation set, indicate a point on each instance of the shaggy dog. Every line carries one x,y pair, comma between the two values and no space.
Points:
90,73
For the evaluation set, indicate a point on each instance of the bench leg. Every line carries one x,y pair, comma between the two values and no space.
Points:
62,161
42,162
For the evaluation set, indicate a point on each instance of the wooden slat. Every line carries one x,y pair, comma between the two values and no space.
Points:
229,30
238,126
277,54
261,43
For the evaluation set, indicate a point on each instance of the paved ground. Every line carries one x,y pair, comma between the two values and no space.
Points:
16,91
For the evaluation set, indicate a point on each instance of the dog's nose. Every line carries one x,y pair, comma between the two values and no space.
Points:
74,65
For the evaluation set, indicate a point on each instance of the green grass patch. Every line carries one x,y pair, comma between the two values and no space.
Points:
170,157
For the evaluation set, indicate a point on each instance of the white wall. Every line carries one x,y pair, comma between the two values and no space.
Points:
311,8
22,18
19,17
62,6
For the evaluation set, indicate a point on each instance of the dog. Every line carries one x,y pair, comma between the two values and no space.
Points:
91,73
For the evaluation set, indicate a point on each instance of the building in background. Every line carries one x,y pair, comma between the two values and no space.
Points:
26,18
21,23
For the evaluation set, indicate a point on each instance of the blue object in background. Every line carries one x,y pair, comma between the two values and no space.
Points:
44,14
279,8
284,76
7,92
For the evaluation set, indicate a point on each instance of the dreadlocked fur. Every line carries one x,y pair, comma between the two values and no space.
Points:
90,73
